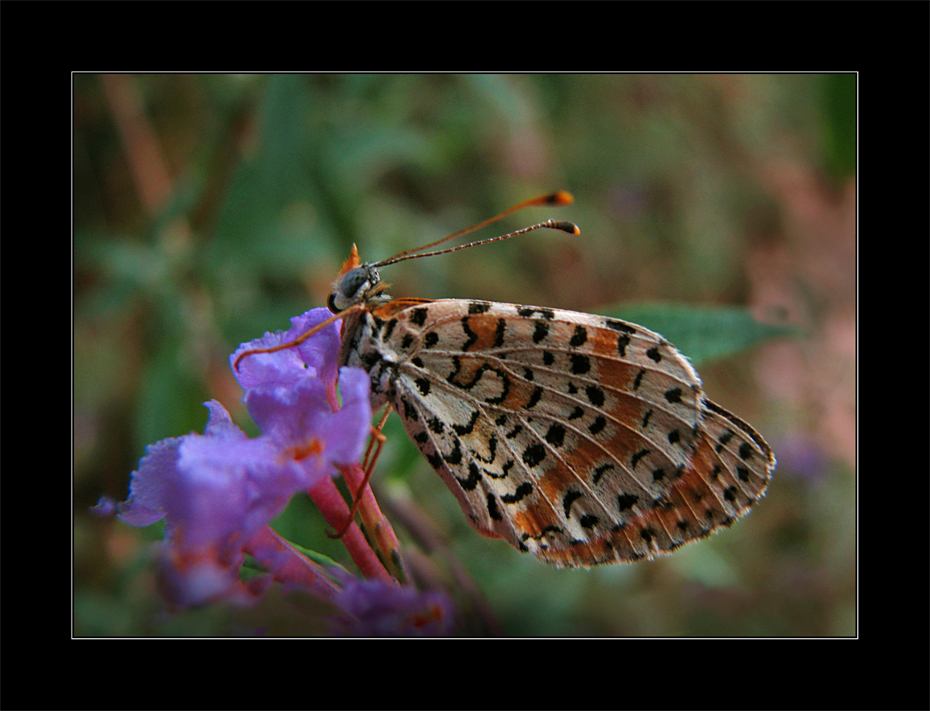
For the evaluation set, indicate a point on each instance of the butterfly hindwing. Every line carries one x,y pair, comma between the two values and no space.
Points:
568,434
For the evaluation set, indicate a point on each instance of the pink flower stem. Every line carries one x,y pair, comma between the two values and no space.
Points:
331,504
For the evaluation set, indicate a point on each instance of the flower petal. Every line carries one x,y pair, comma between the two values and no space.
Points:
314,358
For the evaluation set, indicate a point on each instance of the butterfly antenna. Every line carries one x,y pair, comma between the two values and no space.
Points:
562,197
562,225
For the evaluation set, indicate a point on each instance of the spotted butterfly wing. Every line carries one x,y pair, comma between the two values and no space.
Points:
579,438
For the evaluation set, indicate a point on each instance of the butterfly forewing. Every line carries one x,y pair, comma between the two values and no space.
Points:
580,438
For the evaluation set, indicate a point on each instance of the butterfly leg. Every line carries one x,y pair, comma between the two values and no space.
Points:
369,461
378,529
376,436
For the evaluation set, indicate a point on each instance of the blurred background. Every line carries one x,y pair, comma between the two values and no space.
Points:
208,209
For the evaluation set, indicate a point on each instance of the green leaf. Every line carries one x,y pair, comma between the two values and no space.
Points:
701,332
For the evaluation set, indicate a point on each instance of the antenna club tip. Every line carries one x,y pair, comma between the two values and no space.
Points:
565,226
562,197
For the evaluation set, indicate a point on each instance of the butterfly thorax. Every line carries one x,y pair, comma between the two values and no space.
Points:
363,347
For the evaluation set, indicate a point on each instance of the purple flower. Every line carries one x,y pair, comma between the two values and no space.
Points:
218,491
373,608
314,359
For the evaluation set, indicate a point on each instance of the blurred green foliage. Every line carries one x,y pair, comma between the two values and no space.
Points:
702,333
267,180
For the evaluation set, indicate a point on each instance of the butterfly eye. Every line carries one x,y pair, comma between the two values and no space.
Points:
354,286
353,281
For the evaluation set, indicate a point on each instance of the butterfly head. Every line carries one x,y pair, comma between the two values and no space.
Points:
356,284
359,283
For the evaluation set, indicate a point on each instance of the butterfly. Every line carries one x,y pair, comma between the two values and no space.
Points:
579,438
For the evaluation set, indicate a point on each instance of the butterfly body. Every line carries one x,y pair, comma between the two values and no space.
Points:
579,438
